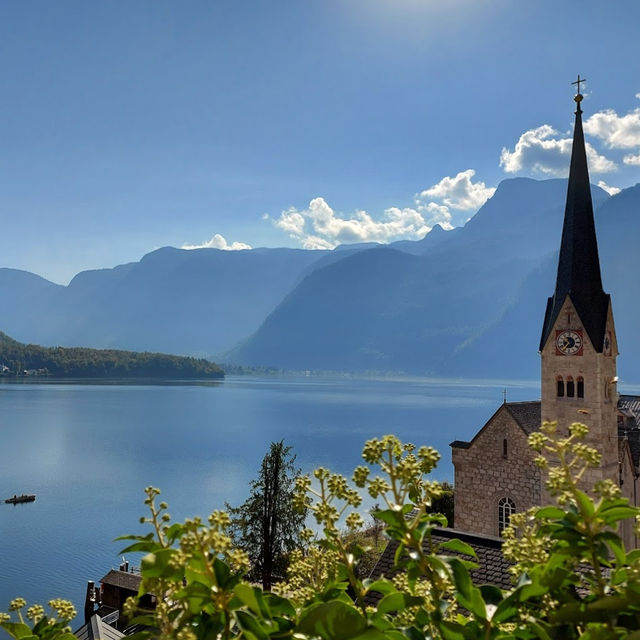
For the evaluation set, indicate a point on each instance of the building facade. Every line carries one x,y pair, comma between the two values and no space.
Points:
494,472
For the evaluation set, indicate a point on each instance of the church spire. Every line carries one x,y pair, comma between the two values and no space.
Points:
579,265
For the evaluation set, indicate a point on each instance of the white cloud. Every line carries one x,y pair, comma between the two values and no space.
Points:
610,190
617,132
320,227
460,192
218,242
540,151
631,159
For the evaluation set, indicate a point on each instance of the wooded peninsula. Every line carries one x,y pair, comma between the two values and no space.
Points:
20,360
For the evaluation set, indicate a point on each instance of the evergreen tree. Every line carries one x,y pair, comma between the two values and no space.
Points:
266,525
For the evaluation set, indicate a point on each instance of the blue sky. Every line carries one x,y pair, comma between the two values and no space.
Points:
127,126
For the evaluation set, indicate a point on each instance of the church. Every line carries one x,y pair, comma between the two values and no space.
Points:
495,475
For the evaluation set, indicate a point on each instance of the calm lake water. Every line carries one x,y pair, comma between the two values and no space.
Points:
88,451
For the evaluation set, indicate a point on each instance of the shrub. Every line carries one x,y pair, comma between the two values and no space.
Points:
573,576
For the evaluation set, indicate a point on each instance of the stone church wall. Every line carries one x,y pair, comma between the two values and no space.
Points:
484,475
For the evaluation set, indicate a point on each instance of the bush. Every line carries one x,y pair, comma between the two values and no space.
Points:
573,578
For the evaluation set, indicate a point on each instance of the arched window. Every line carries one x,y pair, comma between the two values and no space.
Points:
560,387
506,508
504,448
580,386
570,387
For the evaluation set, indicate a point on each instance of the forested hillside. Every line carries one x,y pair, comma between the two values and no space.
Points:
17,359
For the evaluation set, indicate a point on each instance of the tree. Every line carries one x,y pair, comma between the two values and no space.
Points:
444,503
266,525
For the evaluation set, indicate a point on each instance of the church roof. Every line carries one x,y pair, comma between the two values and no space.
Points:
526,414
579,264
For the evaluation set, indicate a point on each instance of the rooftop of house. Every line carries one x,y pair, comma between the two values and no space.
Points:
493,567
97,629
123,580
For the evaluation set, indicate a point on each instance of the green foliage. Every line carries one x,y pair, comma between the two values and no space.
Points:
266,526
573,578
80,362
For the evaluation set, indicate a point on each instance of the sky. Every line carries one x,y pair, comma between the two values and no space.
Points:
129,126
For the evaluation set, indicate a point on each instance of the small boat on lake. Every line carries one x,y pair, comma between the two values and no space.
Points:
25,497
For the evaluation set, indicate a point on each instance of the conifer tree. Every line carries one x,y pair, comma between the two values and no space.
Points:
266,525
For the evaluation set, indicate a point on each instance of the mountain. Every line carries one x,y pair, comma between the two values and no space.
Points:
463,302
17,360
508,348
384,309
195,302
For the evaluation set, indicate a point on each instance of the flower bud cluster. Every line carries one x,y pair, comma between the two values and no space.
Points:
17,603
35,612
308,573
63,608
607,489
523,544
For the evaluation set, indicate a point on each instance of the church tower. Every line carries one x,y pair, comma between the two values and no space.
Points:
578,343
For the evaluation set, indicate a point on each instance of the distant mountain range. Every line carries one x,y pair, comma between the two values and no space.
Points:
466,302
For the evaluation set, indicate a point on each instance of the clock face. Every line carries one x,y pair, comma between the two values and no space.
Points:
569,343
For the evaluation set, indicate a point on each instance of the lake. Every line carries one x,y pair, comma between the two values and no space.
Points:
88,450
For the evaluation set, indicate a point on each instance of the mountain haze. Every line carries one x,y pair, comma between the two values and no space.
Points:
464,302
381,310
195,302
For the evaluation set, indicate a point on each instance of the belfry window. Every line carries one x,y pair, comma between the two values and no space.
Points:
560,385
580,385
571,391
506,508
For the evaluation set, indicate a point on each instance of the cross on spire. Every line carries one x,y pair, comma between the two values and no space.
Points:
578,81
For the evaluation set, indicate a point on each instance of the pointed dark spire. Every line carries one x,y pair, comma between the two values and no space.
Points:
579,265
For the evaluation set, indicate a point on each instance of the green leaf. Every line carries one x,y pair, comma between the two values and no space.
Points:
550,513
615,544
278,605
397,601
156,565
391,517
538,629
466,594
459,547
585,503
223,573
250,626
18,630
253,598
615,514
452,631
146,546
461,578
491,594
380,586
332,621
